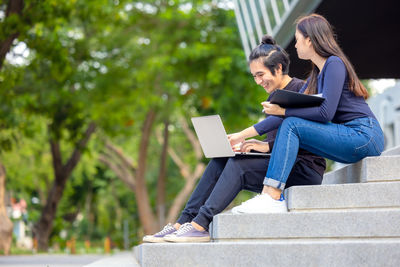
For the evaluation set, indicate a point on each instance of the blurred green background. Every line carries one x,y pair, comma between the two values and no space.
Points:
94,93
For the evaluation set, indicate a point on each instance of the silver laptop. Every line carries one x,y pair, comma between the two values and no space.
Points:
213,138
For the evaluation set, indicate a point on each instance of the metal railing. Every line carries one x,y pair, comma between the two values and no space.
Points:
274,17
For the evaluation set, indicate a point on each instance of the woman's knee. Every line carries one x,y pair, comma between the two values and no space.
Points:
290,125
292,122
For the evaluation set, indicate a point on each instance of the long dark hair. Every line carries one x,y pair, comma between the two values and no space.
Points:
322,37
271,54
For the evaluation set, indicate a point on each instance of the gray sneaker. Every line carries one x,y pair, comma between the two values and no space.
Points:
187,233
159,237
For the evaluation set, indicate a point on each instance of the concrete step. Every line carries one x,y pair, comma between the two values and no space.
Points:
341,253
318,224
370,169
344,196
391,151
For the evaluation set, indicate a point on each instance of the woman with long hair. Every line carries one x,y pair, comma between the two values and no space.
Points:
343,128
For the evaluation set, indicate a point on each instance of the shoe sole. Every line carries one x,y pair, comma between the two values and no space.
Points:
187,239
260,212
154,240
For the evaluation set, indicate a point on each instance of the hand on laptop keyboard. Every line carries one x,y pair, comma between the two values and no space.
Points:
254,144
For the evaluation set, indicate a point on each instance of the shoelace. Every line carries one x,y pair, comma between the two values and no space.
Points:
165,229
184,228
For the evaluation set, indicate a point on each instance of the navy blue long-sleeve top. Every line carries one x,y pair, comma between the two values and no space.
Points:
340,104
311,160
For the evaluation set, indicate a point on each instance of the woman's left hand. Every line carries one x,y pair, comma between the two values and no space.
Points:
273,109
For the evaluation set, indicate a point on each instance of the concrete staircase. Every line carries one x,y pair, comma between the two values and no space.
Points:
352,219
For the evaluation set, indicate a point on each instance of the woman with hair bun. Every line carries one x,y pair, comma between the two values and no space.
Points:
224,178
343,128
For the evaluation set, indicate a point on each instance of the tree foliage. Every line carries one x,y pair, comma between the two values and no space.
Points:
120,65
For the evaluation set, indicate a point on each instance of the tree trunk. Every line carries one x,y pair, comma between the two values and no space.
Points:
88,211
13,7
6,225
125,170
147,218
162,177
44,226
134,177
190,176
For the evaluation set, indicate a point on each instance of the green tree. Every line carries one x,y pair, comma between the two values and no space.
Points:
190,63
130,69
54,34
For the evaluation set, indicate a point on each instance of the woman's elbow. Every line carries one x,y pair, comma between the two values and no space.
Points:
326,117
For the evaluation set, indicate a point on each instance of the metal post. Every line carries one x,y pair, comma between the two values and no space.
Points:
265,16
256,19
276,12
242,31
126,234
247,22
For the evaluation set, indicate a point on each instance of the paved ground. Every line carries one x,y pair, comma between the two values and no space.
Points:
44,260
122,259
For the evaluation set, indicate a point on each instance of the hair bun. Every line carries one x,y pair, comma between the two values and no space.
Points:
268,40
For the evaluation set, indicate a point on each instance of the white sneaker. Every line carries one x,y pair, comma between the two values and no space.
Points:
263,203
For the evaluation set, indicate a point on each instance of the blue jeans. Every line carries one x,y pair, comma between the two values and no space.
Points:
224,178
347,143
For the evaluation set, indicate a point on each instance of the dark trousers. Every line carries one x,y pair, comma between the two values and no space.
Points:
224,178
